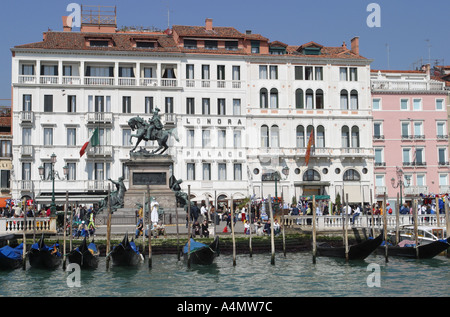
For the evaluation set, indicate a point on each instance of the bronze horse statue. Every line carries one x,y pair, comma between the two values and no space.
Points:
160,135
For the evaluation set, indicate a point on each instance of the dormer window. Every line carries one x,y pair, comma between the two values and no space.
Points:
98,43
211,45
231,45
255,47
190,44
311,51
145,44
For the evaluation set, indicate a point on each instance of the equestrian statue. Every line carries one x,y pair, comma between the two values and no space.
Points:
153,130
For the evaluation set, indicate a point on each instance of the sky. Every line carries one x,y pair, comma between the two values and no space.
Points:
400,33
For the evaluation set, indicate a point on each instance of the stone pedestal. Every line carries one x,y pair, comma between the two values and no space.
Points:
154,171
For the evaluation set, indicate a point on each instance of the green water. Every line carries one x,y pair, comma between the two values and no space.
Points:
291,276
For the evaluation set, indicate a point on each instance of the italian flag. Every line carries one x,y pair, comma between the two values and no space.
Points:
93,142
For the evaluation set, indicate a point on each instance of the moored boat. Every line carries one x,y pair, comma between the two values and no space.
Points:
11,258
126,253
43,256
407,249
358,251
86,255
200,253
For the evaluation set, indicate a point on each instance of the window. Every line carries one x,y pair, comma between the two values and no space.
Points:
205,72
311,176
298,72
126,137
237,171
263,98
126,104
343,74
48,136
146,44
274,136
5,148
273,72
71,103
378,156
353,74
320,137
420,156
264,136
148,72
99,71
420,179
206,171
47,171
189,71
190,106
406,156
220,72
5,177
439,104
417,104
440,130
309,130
72,169
221,106
262,72
237,138
28,70
190,44
206,138
255,47
26,136
300,136
351,175
345,137
379,181
376,104
231,45
71,136
126,72
319,99
27,103
377,133
191,171
67,70
344,99
222,169
49,70
405,130
418,130
353,100
309,75
26,171
148,104
99,104
98,43
104,135
404,104
210,45
309,99
236,74
299,102
355,137
169,104
236,107
273,98
48,103
221,138
443,179
318,73
190,138
206,106
442,156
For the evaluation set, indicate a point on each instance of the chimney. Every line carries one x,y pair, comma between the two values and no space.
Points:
208,24
355,45
67,24
248,32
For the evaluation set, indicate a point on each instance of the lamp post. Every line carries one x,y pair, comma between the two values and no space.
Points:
400,182
285,172
53,174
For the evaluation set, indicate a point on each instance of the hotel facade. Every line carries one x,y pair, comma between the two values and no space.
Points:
244,108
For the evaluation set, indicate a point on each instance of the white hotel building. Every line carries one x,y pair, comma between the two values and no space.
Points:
243,107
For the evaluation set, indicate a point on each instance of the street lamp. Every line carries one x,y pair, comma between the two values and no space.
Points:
400,182
285,172
52,175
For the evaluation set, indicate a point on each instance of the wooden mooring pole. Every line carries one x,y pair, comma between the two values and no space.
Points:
108,230
385,228
272,241
150,224
447,218
64,230
189,227
345,228
178,234
314,244
232,232
250,228
416,230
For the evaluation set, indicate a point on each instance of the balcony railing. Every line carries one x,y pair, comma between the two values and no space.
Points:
101,150
26,150
100,117
405,85
416,190
71,80
27,117
99,81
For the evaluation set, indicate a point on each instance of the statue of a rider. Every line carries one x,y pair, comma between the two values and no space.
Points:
155,123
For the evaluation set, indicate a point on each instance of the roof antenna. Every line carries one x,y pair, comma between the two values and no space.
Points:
388,52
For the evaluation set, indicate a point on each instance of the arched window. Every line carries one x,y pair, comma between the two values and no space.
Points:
355,136
311,175
351,175
263,98
309,99
319,99
320,136
264,136
344,99
345,136
299,99
354,99
273,98
300,136
275,136
308,134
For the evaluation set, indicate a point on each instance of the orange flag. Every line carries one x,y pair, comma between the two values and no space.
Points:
308,150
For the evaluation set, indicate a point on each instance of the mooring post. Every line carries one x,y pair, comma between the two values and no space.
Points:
189,227
232,232
272,241
108,230
385,228
314,245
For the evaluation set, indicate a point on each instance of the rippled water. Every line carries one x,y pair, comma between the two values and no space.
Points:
291,276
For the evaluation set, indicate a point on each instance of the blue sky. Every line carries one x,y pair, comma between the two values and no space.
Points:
410,29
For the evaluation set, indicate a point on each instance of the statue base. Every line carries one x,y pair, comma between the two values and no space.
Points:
153,171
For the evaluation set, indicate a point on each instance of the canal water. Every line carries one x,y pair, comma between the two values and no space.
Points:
290,276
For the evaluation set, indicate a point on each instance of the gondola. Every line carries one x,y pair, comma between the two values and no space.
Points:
356,252
426,251
200,253
11,258
126,253
43,256
86,256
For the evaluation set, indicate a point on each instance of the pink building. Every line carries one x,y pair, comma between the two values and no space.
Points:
410,135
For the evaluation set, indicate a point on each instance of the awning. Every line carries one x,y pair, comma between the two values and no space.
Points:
3,202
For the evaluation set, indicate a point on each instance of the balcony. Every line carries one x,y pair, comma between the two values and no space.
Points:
26,150
406,85
99,81
95,185
101,150
380,190
414,164
27,79
25,185
416,190
380,164
27,117
99,117
207,83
